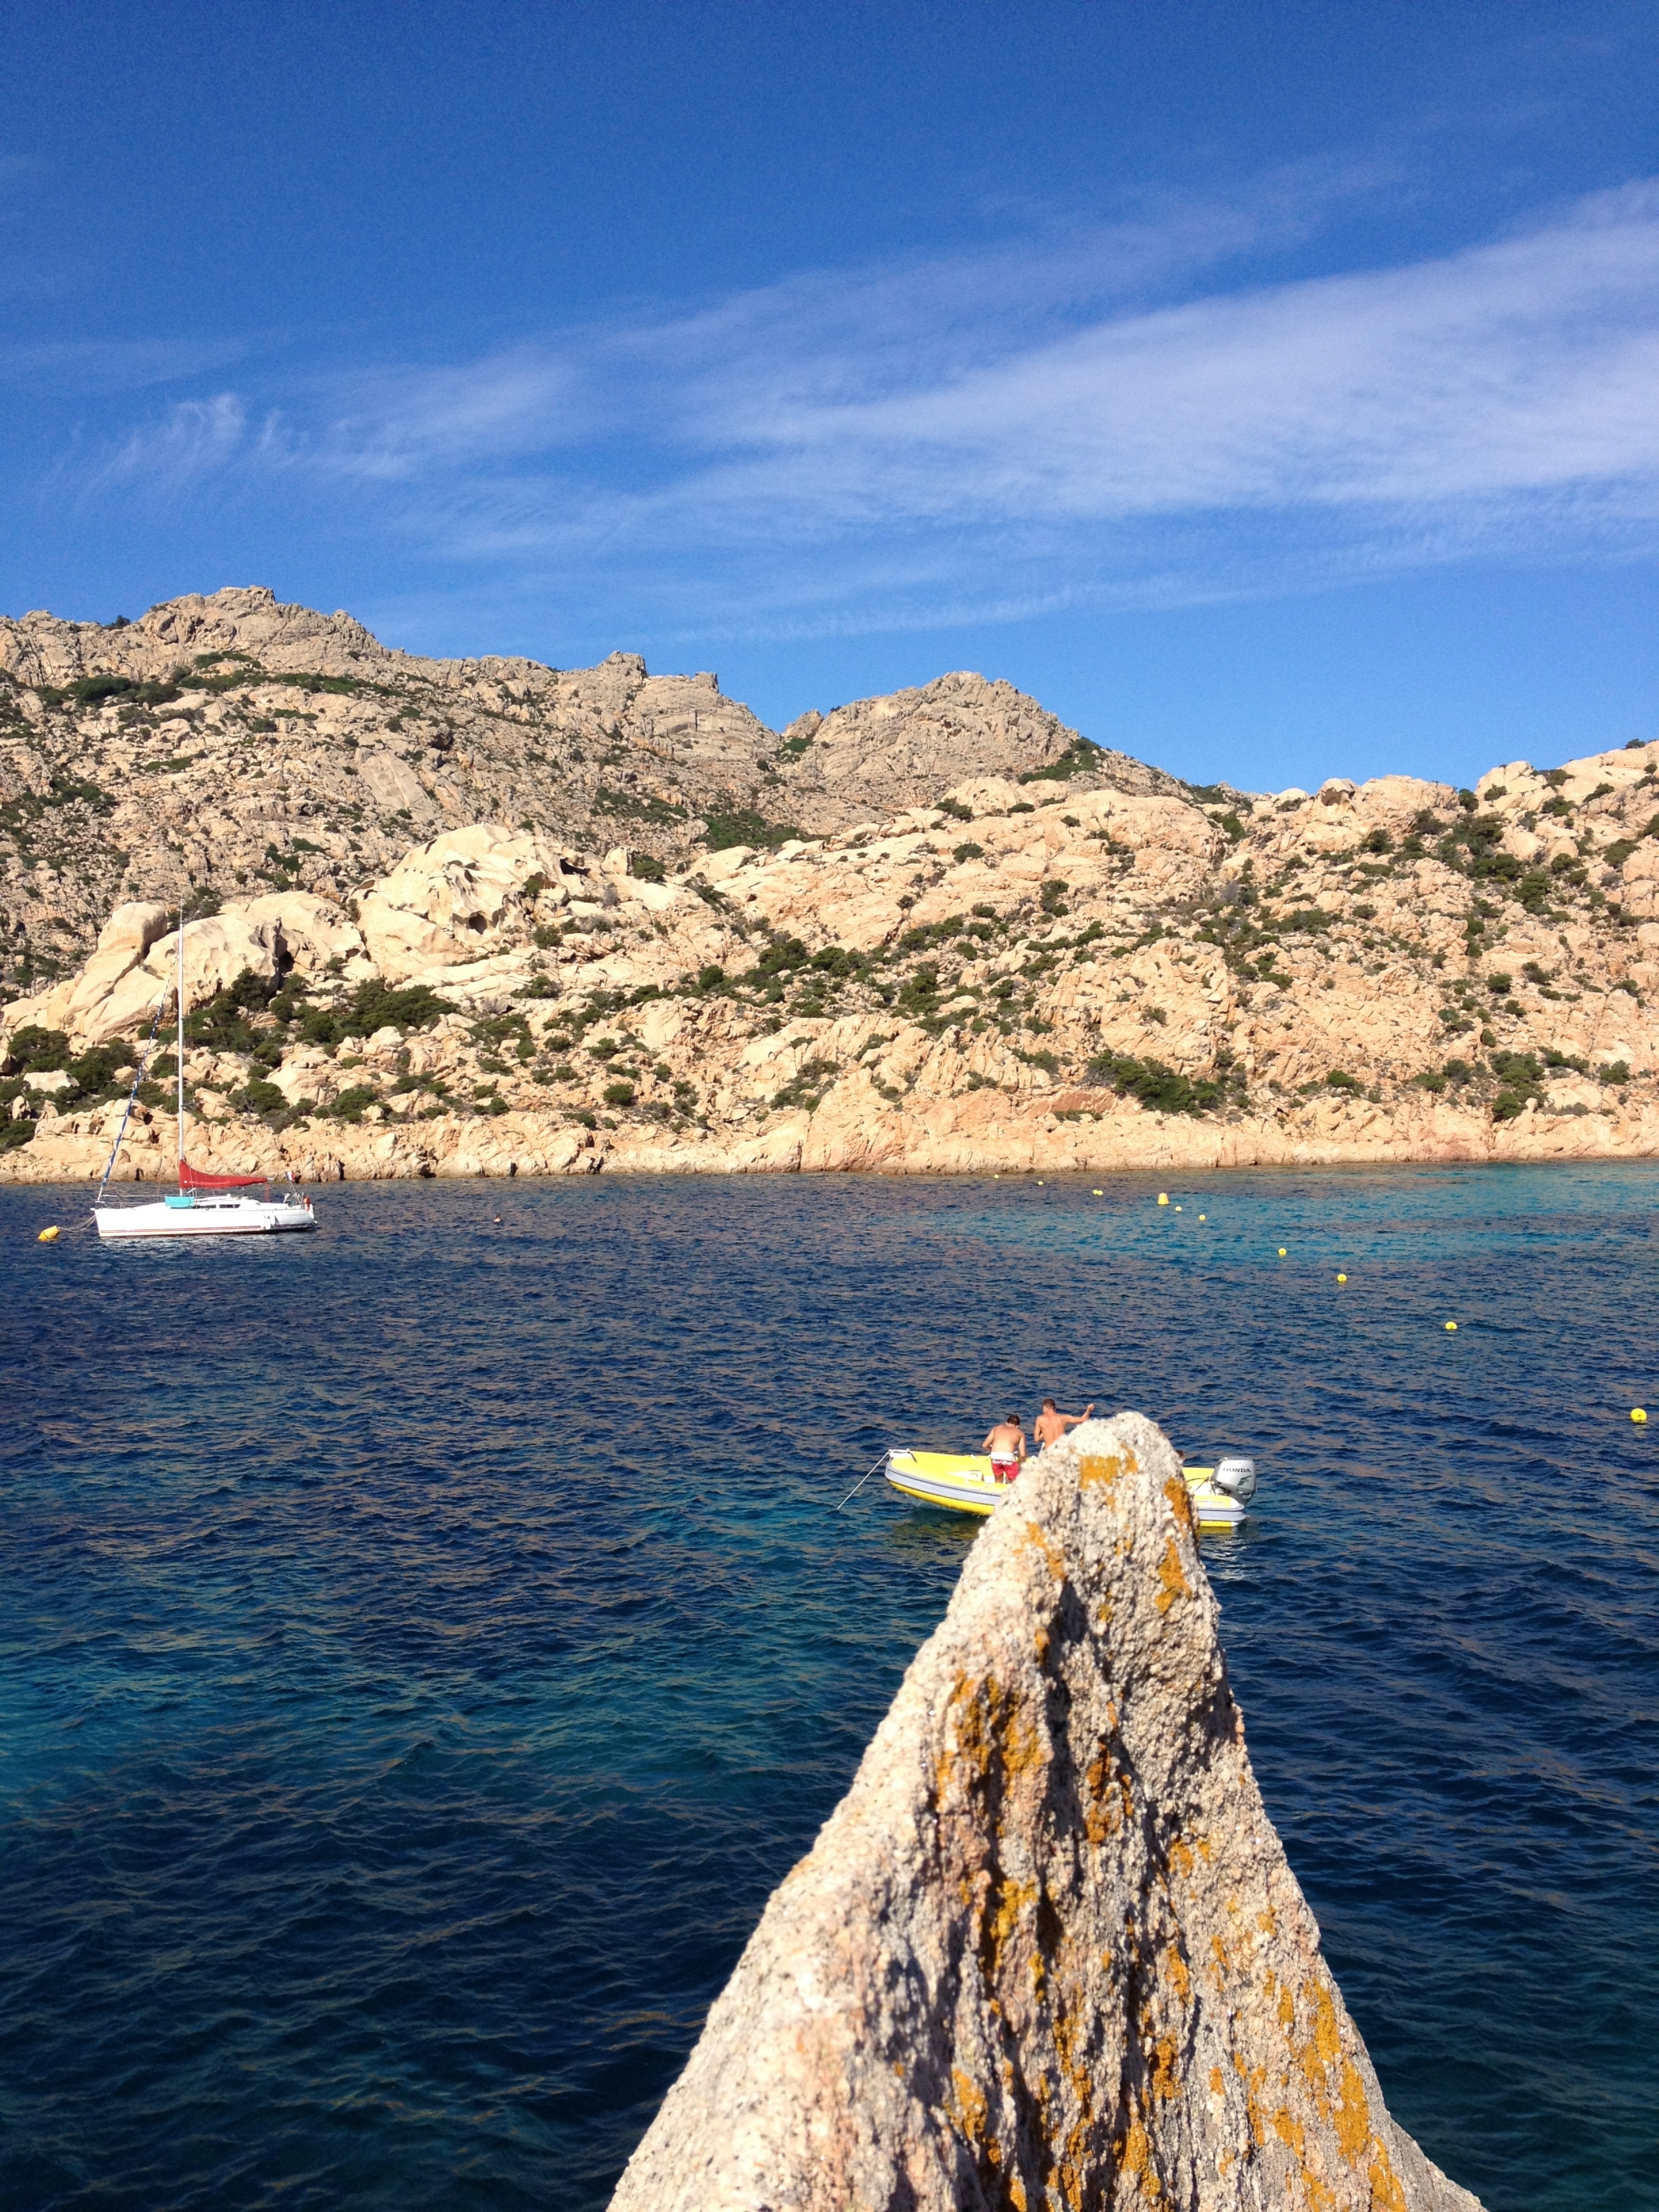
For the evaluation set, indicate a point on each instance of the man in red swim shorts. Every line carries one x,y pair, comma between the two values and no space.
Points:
1007,1445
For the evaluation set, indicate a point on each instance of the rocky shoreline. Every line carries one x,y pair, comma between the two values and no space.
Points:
995,1140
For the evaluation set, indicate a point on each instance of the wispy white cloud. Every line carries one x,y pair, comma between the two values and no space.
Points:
82,367
1074,418
196,438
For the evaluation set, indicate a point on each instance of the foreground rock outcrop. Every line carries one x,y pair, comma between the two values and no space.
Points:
1048,1951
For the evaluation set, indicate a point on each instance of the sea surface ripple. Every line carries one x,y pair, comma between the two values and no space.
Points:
424,1646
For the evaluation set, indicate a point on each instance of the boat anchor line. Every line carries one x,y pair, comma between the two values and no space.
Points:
874,1469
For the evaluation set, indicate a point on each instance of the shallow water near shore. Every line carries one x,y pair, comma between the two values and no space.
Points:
424,1646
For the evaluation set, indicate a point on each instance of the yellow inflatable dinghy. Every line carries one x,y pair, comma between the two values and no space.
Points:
962,1483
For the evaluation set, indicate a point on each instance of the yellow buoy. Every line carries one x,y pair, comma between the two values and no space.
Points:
1451,1328
1341,1278
1100,1194
1164,1198
1203,1217
1638,1415
1177,1209
1281,1251
48,1237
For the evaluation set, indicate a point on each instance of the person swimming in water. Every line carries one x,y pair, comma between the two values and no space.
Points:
1007,1445
1052,1425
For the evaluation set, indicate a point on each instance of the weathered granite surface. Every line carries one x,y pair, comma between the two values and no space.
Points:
1047,1951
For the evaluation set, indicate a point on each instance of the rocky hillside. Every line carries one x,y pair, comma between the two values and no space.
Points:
224,746
1024,976
1047,1951
870,761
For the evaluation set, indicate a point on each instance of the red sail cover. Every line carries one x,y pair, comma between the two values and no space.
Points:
192,1178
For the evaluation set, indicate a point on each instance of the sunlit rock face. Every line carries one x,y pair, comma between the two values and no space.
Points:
1047,1951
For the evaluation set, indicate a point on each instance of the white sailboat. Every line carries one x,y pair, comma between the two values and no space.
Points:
204,1205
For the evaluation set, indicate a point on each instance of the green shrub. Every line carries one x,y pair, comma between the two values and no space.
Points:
1499,984
260,1096
970,851
1616,1070
1162,1090
784,953
808,1087
955,810
647,868
91,689
618,1094
349,1102
1077,760
36,1051
742,826
373,1006
656,811
220,1022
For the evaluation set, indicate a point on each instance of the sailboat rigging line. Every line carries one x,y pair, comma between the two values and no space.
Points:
862,1480
143,1062
180,996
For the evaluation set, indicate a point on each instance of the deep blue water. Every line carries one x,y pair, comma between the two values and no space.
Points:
422,1646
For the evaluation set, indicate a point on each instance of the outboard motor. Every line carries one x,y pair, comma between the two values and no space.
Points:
1237,1476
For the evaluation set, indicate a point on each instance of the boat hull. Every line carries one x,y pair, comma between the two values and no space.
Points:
205,1217
961,1482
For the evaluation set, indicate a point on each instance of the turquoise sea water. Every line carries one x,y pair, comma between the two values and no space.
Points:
423,1646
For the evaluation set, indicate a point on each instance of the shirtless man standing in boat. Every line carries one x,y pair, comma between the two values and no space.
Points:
1051,1426
1007,1445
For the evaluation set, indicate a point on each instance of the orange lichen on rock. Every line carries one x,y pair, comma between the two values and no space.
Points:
1047,1952
1172,1577
1181,1503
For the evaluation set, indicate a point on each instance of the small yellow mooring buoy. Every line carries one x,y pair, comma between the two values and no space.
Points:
1164,1198
1341,1278
1638,1416
1100,1194
1177,1209
48,1237
1281,1251
1203,1217
1451,1328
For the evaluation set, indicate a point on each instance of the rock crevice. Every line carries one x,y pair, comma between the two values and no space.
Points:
1047,1951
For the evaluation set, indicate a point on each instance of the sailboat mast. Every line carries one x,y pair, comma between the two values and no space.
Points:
180,995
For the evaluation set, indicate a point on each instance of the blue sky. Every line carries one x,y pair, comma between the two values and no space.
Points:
1273,393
